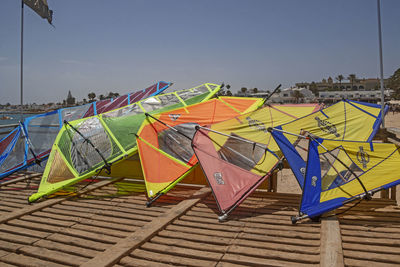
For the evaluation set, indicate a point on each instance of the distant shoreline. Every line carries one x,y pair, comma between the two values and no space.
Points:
24,112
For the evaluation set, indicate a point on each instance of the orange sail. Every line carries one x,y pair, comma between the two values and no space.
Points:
164,140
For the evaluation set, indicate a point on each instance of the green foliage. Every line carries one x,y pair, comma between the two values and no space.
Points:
340,78
297,95
313,88
112,95
394,83
92,96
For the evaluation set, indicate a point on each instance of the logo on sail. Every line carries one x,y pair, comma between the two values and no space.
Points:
327,127
303,171
257,125
314,181
218,178
363,157
174,117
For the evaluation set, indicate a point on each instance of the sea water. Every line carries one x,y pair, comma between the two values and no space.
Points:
14,119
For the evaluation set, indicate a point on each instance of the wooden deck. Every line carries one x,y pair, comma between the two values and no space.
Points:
107,224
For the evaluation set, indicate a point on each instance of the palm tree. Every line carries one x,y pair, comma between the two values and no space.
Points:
243,89
314,88
112,95
222,92
297,95
352,78
101,97
255,90
340,78
91,96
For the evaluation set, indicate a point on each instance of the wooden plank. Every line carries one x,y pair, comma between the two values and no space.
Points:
36,226
98,237
372,257
371,241
109,225
281,240
9,246
50,202
39,221
3,264
385,193
393,192
267,244
265,224
3,253
230,264
382,229
288,233
135,262
279,214
75,250
79,216
101,230
172,251
16,180
128,223
214,240
331,243
22,260
176,242
23,231
193,230
372,248
255,261
127,215
370,234
15,238
266,218
12,204
124,247
52,255
78,242
274,254
168,259
363,263
273,182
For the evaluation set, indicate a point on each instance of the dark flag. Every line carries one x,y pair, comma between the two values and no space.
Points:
41,8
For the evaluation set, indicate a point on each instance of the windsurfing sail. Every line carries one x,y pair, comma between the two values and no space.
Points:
164,140
238,154
85,147
31,141
346,120
339,172
232,178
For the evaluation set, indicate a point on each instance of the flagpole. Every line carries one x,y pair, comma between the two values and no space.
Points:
22,61
381,64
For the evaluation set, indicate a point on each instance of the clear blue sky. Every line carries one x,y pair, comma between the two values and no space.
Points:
125,45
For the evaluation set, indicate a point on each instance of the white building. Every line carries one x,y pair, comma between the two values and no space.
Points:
366,96
290,95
